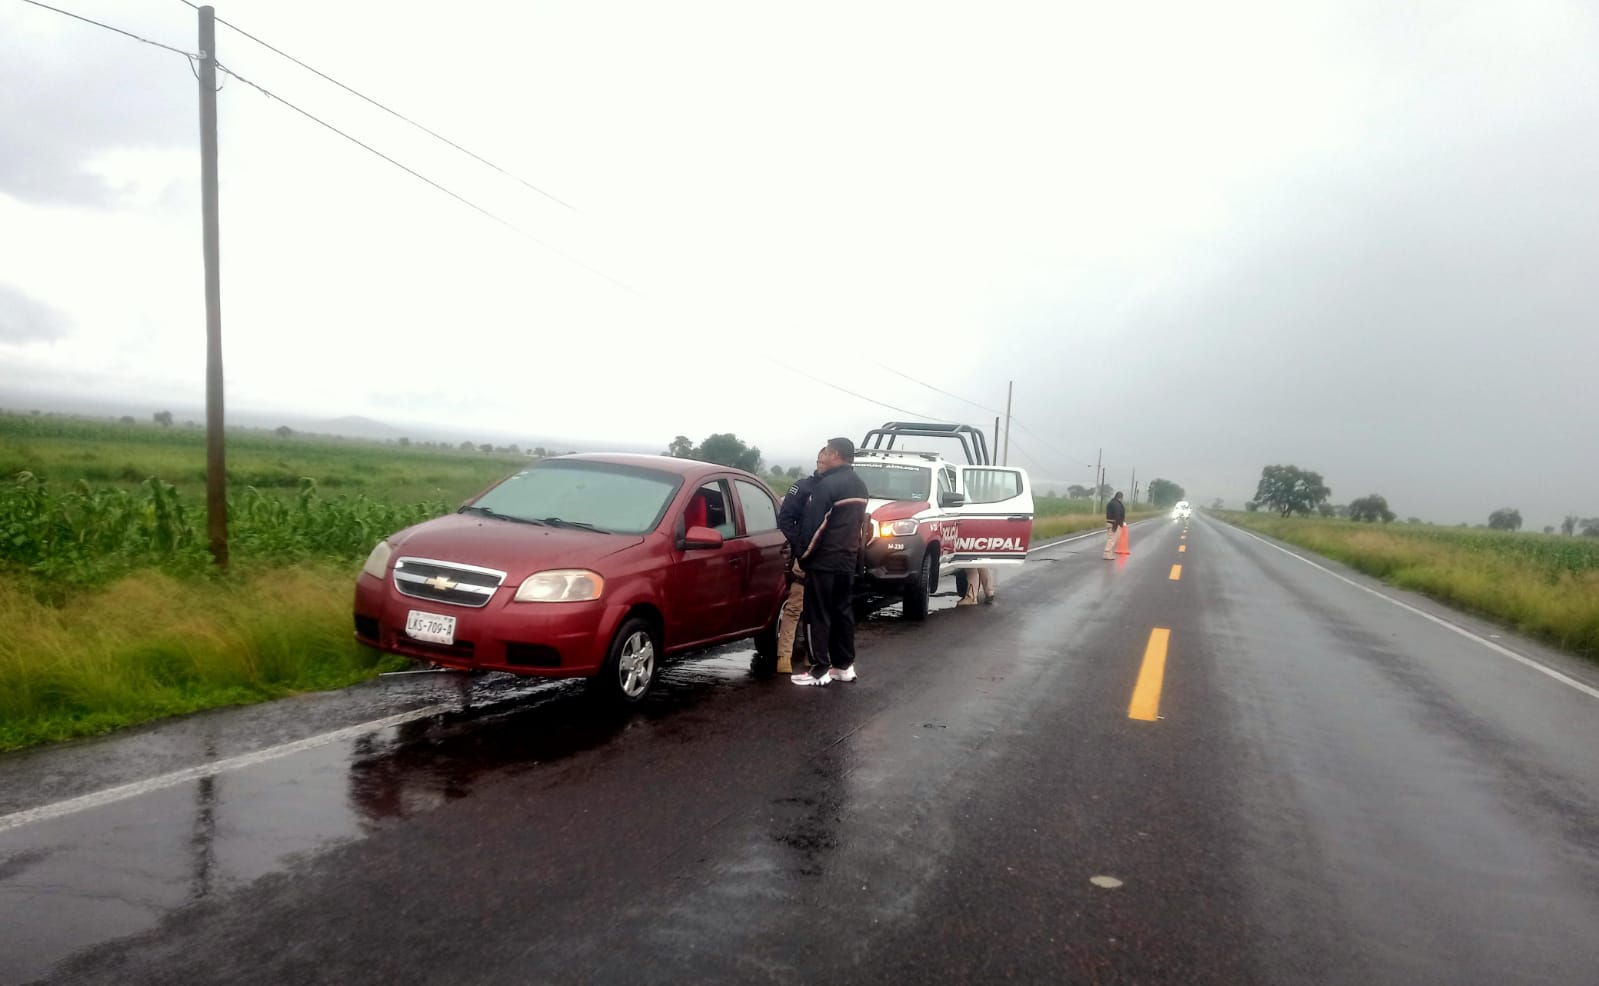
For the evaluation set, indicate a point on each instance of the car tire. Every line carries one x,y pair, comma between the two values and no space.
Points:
633,664
918,587
766,639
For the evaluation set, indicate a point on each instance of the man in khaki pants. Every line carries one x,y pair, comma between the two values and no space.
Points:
1115,517
788,521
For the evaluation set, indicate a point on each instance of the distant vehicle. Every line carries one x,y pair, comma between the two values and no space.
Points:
589,566
1181,511
930,516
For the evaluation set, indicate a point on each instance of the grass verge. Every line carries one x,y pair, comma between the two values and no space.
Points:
150,645
1542,585
1048,528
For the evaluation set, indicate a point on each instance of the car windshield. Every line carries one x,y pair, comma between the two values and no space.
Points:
892,481
586,495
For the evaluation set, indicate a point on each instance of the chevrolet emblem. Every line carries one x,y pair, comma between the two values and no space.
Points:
441,583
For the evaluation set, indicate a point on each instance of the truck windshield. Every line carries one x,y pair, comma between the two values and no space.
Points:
892,481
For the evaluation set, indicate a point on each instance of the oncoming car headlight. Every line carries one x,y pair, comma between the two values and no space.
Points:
377,563
562,585
893,528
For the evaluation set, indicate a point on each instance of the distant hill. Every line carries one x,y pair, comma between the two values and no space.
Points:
353,426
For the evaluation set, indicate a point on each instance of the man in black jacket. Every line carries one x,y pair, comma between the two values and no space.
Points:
790,518
831,534
1115,517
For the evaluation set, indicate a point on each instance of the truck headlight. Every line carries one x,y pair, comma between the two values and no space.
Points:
377,563
893,528
561,585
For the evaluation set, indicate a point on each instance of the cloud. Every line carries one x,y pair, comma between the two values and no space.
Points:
71,95
24,320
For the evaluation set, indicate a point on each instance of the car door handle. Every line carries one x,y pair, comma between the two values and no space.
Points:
735,561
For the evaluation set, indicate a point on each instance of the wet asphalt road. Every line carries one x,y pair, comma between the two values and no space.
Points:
1337,791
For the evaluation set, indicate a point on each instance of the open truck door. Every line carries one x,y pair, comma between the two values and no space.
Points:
995,517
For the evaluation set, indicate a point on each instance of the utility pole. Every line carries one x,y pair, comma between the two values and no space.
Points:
1099,477
216,490
996,434
1010,390
1135,484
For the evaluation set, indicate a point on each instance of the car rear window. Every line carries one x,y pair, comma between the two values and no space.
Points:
618,498
891,481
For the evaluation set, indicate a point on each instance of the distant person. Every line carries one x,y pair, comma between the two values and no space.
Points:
789,520
1115,518
832,533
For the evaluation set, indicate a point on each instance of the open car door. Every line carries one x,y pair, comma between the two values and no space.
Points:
996,521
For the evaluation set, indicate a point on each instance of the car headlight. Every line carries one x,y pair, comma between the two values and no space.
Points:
562,585
893,528
377,563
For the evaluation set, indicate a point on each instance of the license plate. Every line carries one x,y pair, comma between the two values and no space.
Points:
432,627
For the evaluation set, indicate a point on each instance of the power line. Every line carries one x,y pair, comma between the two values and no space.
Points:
938,390
424,178
108,27
828,383
395,113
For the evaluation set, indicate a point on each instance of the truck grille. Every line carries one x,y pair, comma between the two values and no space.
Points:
446,582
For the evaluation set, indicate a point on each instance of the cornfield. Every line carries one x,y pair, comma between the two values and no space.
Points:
83,535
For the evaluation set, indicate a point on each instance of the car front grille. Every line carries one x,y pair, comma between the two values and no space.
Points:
446,582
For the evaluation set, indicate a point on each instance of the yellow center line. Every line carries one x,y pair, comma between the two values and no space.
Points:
1181,548
1146,694
1176,573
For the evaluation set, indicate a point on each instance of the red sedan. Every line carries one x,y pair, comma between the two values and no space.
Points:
593,566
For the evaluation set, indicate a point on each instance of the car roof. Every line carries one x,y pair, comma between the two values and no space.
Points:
661,463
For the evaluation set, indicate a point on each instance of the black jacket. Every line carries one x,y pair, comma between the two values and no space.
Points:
834,525
792,515
1116,512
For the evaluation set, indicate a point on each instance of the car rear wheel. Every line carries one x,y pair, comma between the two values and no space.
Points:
633,664
918,587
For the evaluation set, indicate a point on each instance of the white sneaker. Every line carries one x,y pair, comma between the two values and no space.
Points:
806,678
842,674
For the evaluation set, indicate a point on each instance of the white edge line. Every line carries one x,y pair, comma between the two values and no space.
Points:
1564,679
1077,537
123,792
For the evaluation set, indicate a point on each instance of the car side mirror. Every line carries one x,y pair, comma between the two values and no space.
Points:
952,500
702,538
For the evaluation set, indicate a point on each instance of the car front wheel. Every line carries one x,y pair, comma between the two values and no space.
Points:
633,664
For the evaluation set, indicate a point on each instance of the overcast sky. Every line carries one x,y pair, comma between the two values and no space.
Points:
1362,238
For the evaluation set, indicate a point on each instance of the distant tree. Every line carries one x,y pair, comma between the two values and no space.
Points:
795,472
1106,491
1505,519
282,431
1218,504
1077,492
405,442
1568,526
1326,510
163,418
1163,492
467,446
485,448
1413,520
725,449
126,419
541,452
1251,506
1590,527
1371,509
1290,490
681,448
1549,528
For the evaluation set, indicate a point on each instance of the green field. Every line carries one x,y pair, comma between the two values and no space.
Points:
111,612
1544,585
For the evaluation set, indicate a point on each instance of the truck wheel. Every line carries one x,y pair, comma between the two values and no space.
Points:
917,588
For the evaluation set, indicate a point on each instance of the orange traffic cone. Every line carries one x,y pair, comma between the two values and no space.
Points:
1121,543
